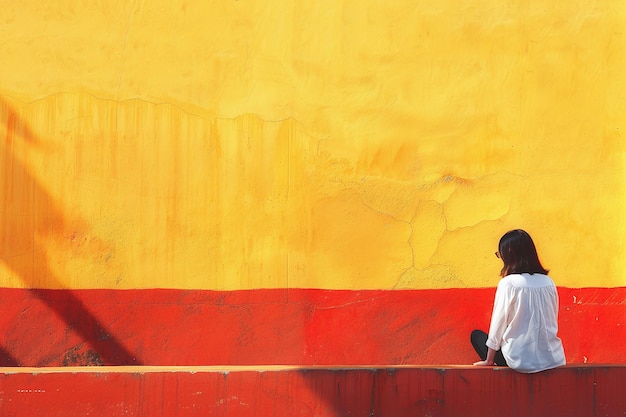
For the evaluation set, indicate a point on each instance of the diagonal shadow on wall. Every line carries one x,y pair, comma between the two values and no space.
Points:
43,219
6,359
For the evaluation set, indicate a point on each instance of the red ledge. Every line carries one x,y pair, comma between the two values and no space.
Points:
410,390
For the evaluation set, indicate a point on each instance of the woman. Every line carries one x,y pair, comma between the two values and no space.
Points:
523,329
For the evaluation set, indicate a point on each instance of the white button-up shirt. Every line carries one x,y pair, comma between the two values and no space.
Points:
524,323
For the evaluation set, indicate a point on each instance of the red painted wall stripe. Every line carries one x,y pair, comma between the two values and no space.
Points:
281,326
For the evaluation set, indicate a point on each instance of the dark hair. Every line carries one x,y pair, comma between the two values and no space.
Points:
519,254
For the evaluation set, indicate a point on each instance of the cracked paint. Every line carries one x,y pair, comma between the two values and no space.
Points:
311,220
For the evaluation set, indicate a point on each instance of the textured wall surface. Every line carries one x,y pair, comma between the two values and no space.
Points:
218,146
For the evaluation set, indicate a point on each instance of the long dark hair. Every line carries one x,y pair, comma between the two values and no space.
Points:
519,254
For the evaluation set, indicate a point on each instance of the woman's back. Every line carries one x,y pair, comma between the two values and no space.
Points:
525,322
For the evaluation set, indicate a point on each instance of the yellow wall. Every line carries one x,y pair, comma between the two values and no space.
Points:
328,144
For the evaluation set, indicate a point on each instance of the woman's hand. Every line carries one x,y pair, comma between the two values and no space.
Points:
491,358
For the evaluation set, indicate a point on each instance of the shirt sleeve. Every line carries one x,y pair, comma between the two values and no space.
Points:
499,316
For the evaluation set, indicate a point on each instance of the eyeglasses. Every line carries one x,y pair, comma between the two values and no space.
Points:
498,255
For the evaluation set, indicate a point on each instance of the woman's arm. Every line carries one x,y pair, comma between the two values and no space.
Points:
499,315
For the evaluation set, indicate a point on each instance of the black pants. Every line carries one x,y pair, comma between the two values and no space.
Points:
479,340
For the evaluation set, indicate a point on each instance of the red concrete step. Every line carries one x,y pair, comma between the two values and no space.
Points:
574,390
